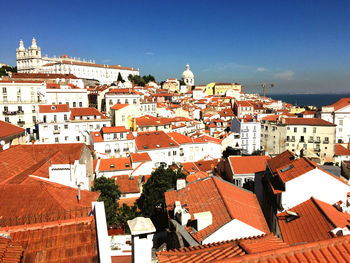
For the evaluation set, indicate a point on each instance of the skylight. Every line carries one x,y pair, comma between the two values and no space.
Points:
287,168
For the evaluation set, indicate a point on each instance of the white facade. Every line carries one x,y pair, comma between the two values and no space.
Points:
19,101
167,155
235,229
341,118
66,95
315,183
187,76
122,96
249,131
30,61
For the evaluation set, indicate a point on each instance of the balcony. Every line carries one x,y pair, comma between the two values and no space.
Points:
108,151
311,140
292,140
325,142
19,112
317,149
57,131
125,149
318,141
20,123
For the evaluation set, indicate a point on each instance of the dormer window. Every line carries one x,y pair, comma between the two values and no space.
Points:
112,165
157,145
127,165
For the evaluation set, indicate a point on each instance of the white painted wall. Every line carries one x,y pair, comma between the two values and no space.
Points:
233,230
314,183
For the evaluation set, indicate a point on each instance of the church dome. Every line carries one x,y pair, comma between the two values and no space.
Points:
187,74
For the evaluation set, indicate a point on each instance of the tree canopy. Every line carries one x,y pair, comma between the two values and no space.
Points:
5,69
125,213
152,201
141,81
109,194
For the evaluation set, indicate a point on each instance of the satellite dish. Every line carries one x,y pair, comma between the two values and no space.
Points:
2,142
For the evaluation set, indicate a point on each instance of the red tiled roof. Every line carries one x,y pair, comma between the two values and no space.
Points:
154,140
42,76
69,62
21,160
280,160
10,251
53,108
225,201
343,102
114,164
114,129
148,120
226,249
331,250
339,150
96,136
64,241
127,184
130,201
37,197
8,129
196,176
270,118
140,157
207,165
248,164
295,169
189,167
182,139
119,106
243,103
307,121
86,112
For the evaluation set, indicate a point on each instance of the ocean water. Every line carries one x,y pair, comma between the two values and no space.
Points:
317,100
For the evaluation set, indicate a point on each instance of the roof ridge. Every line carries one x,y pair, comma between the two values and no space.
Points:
315,201
222,198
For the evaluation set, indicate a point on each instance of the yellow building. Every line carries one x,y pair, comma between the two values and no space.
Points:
221,88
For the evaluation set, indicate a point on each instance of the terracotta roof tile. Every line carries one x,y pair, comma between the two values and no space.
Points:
114,164
343,102
8,129
127,184
280,160
154,140
226,249
85,112
114,129
295,169
224,200
307,121
248,164
67,241
10,251
119,106
53,108
341,150
140,157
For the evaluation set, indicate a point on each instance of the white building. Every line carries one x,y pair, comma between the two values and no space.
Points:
249,130
187,76
66,94
113,142
121,96
339,114
30,61
19,101
60,124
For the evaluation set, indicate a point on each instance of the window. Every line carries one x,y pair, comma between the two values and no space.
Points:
304,130
18,91
169,153
78,138
295,129
55,118
4,91
56,139
19,98
340,122
80,104
34,119
314,130
66,138
174,152
126,101
20,109
74,104
65,117
6,109
66,126
123,117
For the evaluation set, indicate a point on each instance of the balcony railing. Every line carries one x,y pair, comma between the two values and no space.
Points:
19,112
317,141
311,140
325,142
317,149
20,123
125,149
108,151
57,131
21,102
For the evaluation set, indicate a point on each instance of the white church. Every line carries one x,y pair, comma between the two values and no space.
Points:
30,61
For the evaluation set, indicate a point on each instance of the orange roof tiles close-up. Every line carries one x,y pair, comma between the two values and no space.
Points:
222,250
280,160
65,241
248,164
127,184
295,169
339,150
8,129
314,222
224,200
10,251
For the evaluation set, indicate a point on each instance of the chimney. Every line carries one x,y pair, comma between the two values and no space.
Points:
180,184
181,214
79,194
204,219
142,231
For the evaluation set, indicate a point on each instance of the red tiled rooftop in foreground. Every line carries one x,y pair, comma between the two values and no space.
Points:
224,200
113,164
248,164
280,160
343,102
127,184
140,157
331,250
294,169
37,197
316,220
226,249
10,251
8,129
67,241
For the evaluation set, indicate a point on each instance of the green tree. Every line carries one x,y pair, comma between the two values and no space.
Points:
5,69
126,213
152,201
109,194
120,78
141,81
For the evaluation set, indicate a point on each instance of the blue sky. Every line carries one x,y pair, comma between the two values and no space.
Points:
301,46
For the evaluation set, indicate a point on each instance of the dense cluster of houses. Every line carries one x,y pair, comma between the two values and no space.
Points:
256,186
